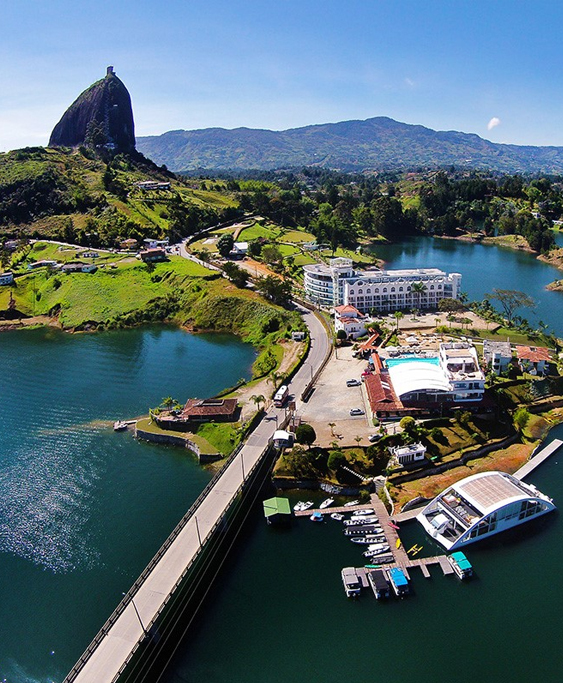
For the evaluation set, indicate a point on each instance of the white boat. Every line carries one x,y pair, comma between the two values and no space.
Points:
367,511
358,521
119,426
338,516
366,540
350,503
302,505
377,551
461,565
326,503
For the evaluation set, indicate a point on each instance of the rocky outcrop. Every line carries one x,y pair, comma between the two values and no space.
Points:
101,117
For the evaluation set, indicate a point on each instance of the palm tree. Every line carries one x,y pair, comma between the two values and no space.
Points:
275,377
168,403
398,315
257,400
419,288
358,440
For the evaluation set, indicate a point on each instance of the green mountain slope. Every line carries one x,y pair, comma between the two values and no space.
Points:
75,196
378,143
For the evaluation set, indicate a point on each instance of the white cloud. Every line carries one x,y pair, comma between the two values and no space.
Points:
409,82
493,123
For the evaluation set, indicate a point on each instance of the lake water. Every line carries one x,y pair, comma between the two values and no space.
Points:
83,509
483,267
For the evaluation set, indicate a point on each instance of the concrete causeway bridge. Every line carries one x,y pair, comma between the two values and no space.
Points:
134,619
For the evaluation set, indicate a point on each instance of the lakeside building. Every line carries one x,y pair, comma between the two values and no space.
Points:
6,278
479,506
350,320
151,255
407,455
533,359
497,355
382,290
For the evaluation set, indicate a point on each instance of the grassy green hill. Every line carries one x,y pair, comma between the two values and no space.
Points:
74,196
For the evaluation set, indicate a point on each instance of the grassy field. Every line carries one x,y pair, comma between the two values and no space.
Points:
205,447
297,236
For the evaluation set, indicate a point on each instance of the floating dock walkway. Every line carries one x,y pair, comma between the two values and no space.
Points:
538,458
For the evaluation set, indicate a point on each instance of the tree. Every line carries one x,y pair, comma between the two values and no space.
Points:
258,399
408,424
275,378
449,305
341,335
510,300
521,418
418,288
225,244
336,460
275,289
236,275
305,434
398,315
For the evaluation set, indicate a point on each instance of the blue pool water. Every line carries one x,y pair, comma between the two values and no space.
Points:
390,362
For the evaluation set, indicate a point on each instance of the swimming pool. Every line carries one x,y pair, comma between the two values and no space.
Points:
391,362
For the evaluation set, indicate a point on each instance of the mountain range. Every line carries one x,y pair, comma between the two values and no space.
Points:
375,144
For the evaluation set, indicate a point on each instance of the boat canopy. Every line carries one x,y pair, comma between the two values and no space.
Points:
462,561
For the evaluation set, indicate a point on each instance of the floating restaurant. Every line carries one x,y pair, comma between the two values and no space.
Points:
481,505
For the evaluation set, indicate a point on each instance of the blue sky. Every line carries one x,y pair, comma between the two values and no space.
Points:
448,65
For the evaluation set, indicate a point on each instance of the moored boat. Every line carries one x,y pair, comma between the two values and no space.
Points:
366,540
363,530
379,584
338,516
351,503
351,582
398,580
301,506
326,503
366,511
461,565
119,426
317,517
359,521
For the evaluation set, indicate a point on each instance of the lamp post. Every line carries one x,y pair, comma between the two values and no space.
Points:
138,616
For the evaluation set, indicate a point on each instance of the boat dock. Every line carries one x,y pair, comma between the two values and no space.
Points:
402,559
538,458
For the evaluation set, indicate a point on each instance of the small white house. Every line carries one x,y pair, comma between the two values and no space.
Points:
349,319
6,278
240,248
497,354
406,455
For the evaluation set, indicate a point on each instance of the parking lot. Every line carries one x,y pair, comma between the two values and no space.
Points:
332,400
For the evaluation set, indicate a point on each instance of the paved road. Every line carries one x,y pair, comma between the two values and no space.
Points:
118,643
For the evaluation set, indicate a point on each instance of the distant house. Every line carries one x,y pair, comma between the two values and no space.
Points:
298,336
129,244
41,264
11,245
153,185
151,255
533,359
406,455
72,267
497,354
349,319
239,250
206,410
89,254
6,278
151,243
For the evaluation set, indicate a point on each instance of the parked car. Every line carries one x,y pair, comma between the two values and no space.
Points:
357,411
372,438
353,382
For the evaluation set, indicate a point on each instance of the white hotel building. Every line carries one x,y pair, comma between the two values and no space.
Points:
383,290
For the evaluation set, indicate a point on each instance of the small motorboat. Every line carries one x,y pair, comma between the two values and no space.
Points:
382,549
338,516
351,582
363,530
119,426
326,503
461,565
301,506
358,521
350,503
367,540
367,511
317,517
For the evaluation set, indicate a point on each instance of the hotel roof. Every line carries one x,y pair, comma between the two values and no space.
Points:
417,376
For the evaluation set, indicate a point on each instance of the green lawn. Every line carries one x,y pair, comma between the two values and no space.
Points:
255,231
298,236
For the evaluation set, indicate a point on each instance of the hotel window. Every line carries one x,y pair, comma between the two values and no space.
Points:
400,289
